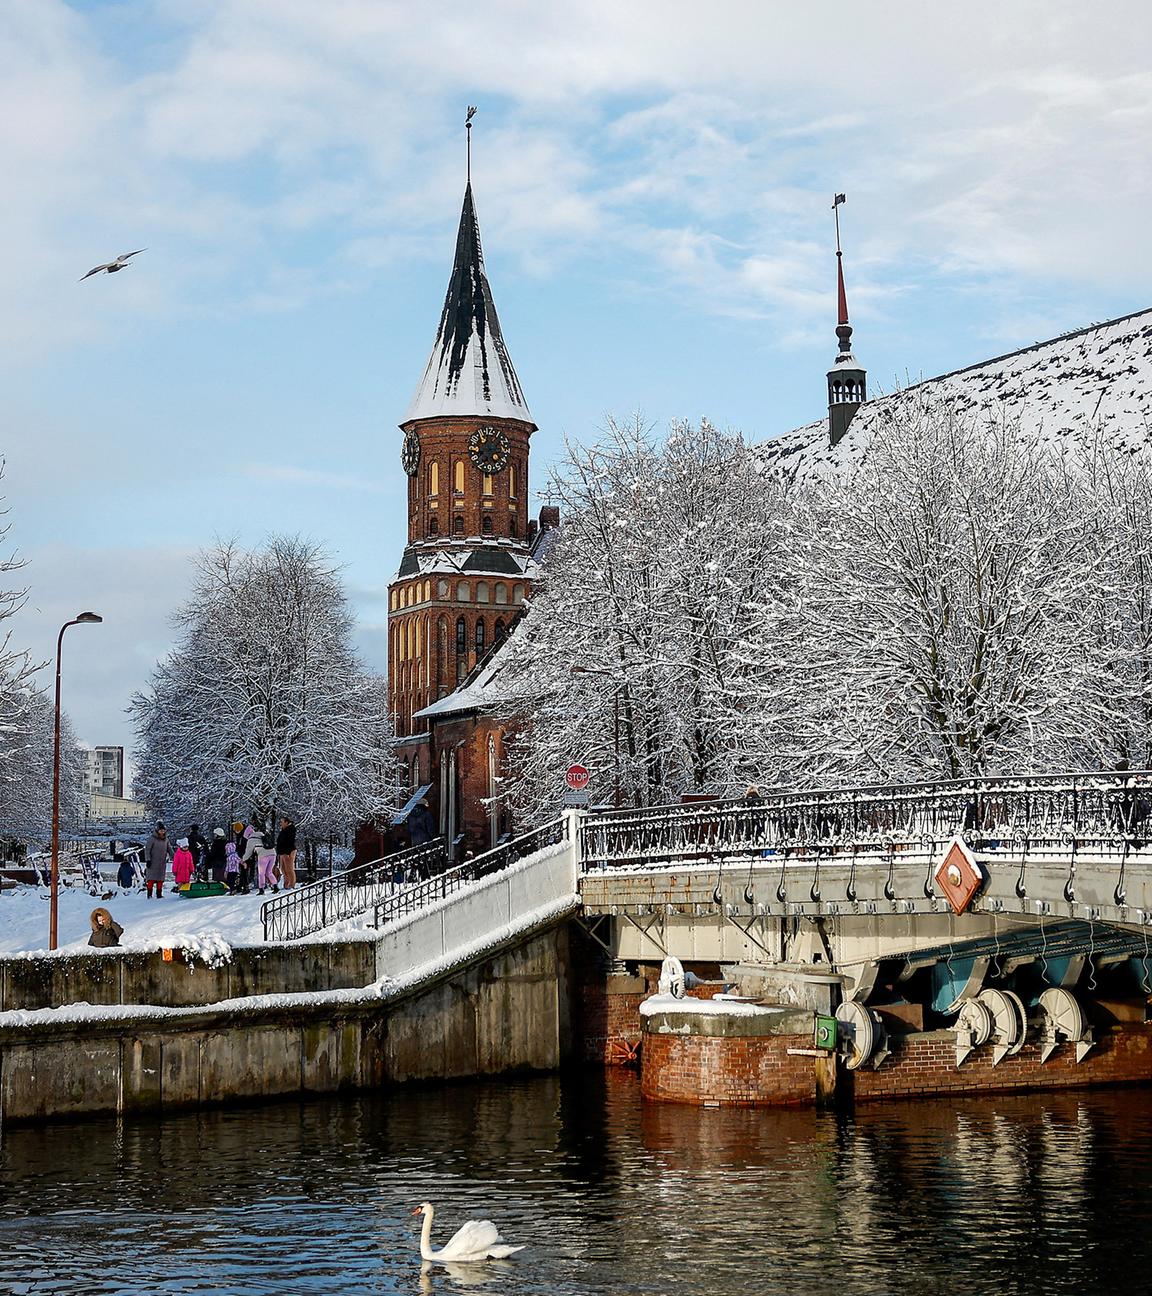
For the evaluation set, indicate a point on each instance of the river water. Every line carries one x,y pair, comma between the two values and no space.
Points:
1035,1194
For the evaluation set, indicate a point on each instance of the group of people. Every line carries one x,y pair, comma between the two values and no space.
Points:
241,860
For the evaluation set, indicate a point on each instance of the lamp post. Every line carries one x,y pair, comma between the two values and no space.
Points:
85,618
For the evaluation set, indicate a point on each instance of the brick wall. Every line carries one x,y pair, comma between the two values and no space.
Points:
926,1064
729,1072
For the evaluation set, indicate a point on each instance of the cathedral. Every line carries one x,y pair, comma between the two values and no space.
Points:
471,558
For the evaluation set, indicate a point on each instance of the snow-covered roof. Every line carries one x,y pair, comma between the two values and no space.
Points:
469,371
474,559
475,694
1098,378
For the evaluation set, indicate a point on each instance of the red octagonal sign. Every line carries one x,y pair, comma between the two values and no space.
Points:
577,777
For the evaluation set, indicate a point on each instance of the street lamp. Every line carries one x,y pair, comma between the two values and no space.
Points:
85,618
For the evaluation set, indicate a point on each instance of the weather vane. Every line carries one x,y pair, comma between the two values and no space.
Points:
468,129
837,199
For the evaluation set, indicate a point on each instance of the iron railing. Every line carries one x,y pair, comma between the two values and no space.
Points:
416,896
310,908
1100,809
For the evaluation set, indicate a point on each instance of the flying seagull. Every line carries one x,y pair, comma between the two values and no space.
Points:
110,267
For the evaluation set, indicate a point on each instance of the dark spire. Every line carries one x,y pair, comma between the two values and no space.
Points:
469,371
846,380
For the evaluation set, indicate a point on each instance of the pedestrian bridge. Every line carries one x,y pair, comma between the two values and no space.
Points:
848,877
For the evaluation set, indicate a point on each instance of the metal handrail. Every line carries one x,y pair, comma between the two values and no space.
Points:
1108,807
418,895
307,909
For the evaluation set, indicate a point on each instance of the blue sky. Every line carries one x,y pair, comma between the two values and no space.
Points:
653,182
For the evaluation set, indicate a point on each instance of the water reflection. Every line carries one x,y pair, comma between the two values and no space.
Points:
1014,1195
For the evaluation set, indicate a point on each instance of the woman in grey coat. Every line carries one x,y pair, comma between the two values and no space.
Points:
156,854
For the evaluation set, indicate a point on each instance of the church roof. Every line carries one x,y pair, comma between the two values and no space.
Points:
469,371
1097,380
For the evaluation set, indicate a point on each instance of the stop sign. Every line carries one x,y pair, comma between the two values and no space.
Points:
577,777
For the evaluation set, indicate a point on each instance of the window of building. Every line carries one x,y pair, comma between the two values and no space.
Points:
512,524
393,600
486,525
481,591
518,594
442,589
511,481
479,639
461,637
499,631
501,592
433,525
487,483
434,479
458,477
457,525
427,590
464,592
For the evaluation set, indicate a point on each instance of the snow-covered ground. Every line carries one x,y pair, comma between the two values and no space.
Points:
148,924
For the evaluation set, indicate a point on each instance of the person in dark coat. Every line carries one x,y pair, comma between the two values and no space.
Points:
126,874
286,851
198,847
216,860
156,853
421,825
106,931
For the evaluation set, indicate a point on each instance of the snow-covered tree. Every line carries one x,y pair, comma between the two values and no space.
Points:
263,706
937,589
26,770
626,660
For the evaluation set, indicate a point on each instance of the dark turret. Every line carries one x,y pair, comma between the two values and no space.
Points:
847,381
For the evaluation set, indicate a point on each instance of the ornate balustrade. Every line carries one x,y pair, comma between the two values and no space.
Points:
307,909
1099,810
419,894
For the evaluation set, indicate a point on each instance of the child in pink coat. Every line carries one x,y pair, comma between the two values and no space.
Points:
183,865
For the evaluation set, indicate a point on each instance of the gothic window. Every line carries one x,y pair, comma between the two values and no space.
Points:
501,592
481,591
512,524
498,631
511,481
458,477
461,637
442,589
434,480
433,525
463,593
457,525
479,639
486,525
393,600
518,594
487,483
441,651
427,590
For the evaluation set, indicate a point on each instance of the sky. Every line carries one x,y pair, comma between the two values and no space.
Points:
653,182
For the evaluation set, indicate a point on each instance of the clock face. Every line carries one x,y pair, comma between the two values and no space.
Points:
489,449
410,454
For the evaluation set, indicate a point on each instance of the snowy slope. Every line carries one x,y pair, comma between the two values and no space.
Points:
1097,378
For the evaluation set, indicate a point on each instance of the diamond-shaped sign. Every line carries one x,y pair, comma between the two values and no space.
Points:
958,875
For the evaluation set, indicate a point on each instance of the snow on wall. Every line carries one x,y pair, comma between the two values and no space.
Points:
1099,377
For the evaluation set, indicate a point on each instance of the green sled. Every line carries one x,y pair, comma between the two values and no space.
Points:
198,890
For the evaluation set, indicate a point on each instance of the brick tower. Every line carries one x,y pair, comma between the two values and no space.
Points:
469,561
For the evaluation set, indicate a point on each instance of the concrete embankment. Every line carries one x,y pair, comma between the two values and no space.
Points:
477,983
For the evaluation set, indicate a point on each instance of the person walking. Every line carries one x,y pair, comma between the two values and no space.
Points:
156,861
421,825
198,847
126,873
183,864
216,860
232,868
286,851
262,857
106,931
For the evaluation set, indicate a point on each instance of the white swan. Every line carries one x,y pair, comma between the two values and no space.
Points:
474,1240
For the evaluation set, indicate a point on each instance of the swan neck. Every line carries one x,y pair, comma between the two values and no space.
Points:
426,1235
